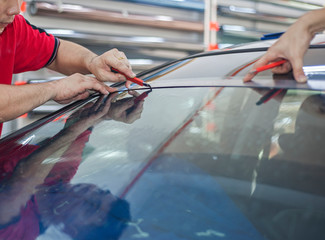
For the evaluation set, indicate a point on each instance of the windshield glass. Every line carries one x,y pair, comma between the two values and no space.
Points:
234,163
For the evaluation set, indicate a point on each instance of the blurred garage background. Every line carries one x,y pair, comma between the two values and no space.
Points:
152,32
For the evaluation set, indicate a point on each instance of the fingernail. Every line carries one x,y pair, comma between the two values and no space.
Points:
302,79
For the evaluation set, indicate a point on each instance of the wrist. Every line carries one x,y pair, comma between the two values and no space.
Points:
52,88
313,21
90,62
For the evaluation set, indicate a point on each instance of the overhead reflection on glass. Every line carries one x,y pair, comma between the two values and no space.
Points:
35,189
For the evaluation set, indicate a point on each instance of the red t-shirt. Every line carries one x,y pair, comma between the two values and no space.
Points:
24,47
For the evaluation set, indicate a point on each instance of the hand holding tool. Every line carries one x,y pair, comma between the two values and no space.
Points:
134,80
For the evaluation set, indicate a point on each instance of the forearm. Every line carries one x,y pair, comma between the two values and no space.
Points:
72,58
313,21
17,100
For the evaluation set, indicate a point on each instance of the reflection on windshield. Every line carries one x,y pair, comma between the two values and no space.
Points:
200,163
266,159
36,193
315,72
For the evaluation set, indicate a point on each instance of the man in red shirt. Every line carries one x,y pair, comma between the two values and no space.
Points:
24,47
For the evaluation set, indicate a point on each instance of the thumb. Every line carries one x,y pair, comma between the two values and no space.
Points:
298,71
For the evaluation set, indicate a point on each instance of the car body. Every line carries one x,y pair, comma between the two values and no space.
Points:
201,155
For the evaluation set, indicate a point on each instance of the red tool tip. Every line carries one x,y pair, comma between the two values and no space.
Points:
134,80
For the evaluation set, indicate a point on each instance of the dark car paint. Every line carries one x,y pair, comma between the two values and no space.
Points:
198,163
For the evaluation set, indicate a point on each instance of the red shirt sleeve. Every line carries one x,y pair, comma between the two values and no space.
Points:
35,48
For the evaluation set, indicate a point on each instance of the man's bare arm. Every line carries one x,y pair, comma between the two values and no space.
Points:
17,100
73,58
292,46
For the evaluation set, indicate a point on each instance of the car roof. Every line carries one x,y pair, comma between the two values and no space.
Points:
227,67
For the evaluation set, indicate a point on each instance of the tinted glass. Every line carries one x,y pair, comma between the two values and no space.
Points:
185,163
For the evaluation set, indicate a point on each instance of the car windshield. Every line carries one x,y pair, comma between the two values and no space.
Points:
226,162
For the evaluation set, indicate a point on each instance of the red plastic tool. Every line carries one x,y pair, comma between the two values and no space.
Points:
269,66
134,80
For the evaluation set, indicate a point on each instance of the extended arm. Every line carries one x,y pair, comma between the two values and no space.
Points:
17,100
73,58
293,45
